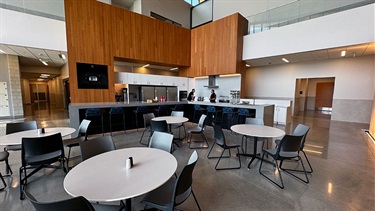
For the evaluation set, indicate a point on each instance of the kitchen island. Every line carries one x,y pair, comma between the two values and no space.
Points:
77,111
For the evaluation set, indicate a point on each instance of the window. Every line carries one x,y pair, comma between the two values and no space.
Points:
194,2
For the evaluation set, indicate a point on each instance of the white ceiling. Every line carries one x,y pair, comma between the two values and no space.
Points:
123,3
333,53
30,57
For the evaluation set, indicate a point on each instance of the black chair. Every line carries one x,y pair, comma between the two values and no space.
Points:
300,130
160,126
95,115
14,128
4,157
78,203
199,129
137,111
162,110
287,149
162,141
220,141
81,137
38,153
116,114
180,125
147,126
175,191
96,146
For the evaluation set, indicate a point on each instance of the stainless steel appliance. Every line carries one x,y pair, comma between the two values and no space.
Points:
147,92
183,95
172,93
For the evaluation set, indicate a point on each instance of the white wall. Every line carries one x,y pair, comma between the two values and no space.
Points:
223,8
137,6
225,85
177,11
351,27
354,79
22,29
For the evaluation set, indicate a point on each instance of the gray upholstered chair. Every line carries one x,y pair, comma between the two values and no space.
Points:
161,140
96,146
199,129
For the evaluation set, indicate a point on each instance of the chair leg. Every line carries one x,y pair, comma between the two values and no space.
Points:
204,140
308,162
140,141
110,123
8,169
21,183
278,169
295,176
297,170
5,185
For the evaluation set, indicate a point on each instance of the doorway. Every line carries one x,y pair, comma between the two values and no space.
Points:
39,96
314,97
66,94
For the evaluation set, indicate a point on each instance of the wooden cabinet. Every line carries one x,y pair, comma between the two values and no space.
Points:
282,115
121,78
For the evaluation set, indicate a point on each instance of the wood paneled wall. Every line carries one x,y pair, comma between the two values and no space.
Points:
97,33
216,48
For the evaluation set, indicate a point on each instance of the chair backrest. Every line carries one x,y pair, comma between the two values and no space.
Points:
243,112
83,128
254,121
116,110
227,110
178,107
92,112
202,121
38,146
160,126
301,130
177,113
182,189
219,136
211,109
147,119
96,146
162,141
197,107
73,204
289,143
20,126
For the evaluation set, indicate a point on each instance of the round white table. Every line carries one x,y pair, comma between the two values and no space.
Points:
171,119
16,138
256,131
104,178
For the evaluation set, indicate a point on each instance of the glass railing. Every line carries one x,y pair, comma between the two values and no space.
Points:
53,9
299,11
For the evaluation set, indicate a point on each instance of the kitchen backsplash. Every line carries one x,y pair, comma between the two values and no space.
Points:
225,85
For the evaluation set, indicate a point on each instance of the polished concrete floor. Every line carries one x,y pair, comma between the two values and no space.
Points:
341,154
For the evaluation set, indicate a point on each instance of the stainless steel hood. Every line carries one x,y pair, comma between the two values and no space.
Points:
212,82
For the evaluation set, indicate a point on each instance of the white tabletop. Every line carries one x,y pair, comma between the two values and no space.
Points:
257,131
16,138
171,119
104,178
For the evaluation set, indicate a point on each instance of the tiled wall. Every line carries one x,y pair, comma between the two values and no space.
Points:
15,86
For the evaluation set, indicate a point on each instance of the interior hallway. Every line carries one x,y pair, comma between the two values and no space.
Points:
340,153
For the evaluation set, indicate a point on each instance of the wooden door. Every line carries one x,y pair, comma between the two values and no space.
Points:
324,94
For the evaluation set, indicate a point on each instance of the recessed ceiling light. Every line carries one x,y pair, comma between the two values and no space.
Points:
175,68
285,60
247,65
1,51
44,62
62,56
44,74
146,65
40,79
343,53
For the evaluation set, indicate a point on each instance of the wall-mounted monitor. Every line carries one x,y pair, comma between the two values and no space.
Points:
92,76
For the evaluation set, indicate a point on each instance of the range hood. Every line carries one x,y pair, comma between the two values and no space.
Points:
212,82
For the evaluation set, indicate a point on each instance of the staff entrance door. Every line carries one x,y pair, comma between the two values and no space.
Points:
324,95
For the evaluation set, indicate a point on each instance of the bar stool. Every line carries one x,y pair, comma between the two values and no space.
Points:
178,107
227,117
242,114
139,110
114,113
163,109
4,157
197,109
94,114
211,115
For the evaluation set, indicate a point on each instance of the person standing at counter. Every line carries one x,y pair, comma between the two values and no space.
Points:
191,95
213,96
